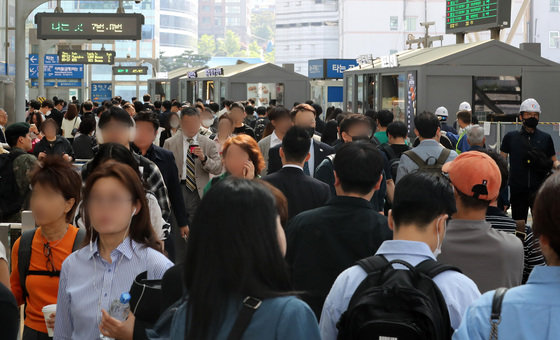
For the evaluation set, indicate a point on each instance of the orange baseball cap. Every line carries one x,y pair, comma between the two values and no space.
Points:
475,174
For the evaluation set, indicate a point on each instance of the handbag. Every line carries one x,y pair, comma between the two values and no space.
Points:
74,130
496,312
145,298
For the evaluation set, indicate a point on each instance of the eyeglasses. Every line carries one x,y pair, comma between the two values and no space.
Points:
48,254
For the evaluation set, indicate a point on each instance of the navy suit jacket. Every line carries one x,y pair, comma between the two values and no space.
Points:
165,161
302,192
322,150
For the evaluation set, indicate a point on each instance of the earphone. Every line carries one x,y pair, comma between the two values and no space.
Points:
133,212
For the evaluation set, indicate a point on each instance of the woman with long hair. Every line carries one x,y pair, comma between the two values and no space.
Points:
120,244
70,122
235,259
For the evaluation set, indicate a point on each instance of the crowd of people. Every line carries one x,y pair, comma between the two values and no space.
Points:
171,220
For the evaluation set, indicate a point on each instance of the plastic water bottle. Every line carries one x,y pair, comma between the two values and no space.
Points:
119,310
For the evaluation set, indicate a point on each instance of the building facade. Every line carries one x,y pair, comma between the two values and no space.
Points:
306,29
178,26
216,17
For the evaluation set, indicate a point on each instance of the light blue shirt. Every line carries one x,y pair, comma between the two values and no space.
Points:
530,311
311,161
88,283
458,290
427,148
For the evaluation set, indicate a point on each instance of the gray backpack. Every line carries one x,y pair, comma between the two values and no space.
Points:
425,166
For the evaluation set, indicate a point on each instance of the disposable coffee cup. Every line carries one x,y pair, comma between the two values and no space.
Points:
47,311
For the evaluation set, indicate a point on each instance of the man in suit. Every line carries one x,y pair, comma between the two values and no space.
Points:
302,115
196,157
280,119
302,192
325,241
3,124
147,125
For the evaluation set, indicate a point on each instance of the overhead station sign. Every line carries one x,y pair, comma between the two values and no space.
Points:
130,70
87,57
54,69
464,16
89,26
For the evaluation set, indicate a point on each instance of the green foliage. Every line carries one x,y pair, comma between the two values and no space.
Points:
207,45
186,59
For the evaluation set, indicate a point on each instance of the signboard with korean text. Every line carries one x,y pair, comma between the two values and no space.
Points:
101,91
130,70
86,57
89,26
54,69
59,83
316,69
213,72
336,67
464,16
191,74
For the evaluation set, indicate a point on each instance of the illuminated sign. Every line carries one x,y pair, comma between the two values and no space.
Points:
86,57
476,15
213,72
130,70
89,26
191,74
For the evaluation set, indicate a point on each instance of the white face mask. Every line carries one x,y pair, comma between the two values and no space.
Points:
437,251
48,113
207,122
174,123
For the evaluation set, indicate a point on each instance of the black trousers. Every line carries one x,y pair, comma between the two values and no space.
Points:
31,334
521,201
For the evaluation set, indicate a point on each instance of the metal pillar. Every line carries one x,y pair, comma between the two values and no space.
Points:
460,38
41,76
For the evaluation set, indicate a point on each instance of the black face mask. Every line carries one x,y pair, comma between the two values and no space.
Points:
531,122
310,131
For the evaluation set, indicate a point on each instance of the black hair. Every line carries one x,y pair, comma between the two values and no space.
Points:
87,106
351,120
48,103
261,110
470,202
420,197
318,109
279,112
138,106
115,152
35,104
214,107
385,117
176,104
157,104
147,116
13,135
295,144
238,105
87,125
189,111
397,129
252,101
226,103
242,263
117,114
58,102
502,165
358,166
166,105
146,97
249,110
427,124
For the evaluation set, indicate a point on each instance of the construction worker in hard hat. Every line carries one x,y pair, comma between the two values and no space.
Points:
532,158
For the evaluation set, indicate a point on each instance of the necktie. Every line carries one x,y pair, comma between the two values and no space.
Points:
190,179
306,169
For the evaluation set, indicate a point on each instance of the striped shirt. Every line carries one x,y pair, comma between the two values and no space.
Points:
88,283
531,247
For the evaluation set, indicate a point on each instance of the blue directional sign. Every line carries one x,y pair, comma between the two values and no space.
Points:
53,69
336,67
315,68
101,91
59,83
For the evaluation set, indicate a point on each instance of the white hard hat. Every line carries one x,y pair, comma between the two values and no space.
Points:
465,106
530,105
442,111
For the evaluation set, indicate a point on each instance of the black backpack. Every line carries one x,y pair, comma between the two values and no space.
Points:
394,159
24,257
260,126
10,199
397,304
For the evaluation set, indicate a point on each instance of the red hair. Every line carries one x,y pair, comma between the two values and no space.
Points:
250,146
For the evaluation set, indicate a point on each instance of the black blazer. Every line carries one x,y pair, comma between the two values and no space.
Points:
303,192
165,161
322,150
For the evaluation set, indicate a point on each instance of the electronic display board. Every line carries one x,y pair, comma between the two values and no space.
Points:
130,70
86,57
464,16
89,26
